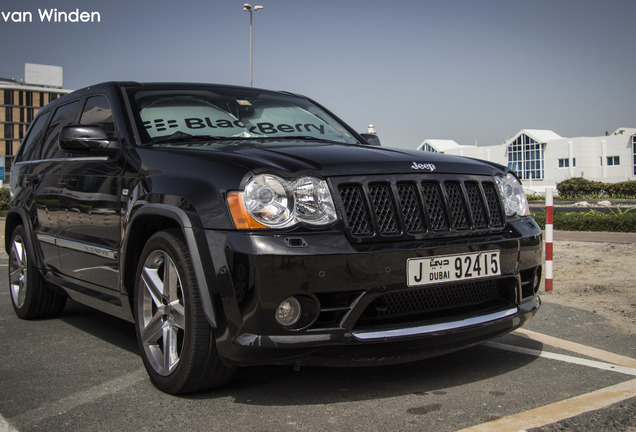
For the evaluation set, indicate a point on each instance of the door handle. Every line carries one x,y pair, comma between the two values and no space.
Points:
67,182
31,180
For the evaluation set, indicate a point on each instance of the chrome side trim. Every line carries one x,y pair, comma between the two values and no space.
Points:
46,239
70,159
29,162
87,159
82,247
367,335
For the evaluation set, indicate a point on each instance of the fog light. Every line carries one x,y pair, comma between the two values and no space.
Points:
288,312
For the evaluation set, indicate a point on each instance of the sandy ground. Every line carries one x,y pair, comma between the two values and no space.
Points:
599,277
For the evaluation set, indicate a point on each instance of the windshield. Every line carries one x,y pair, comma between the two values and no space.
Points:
178,114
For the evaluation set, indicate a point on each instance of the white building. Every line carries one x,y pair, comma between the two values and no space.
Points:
542,158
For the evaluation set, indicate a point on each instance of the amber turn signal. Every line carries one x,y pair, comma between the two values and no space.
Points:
242,218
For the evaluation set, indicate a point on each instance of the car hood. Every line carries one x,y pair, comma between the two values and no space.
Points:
329,160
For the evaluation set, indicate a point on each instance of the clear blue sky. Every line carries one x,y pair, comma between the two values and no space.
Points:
447,69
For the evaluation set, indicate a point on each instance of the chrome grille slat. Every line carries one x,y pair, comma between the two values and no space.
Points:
433,201
494,208
476,203
355,210
413,217
457,204
382,205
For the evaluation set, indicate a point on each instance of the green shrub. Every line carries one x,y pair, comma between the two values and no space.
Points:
579,187
626,189
4,198
614,221
536,197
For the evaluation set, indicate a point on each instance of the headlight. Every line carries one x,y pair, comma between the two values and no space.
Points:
313,201
270,201
514,198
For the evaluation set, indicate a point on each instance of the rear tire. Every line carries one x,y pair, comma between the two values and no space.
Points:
176,341
29,294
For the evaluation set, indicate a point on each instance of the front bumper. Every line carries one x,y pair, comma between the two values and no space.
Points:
390,347
346,289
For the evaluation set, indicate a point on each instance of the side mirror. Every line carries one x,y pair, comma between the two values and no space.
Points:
87,139
371,139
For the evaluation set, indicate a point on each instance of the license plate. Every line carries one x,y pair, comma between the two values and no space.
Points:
450,268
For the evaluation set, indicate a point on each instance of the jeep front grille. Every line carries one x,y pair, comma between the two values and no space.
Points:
408,207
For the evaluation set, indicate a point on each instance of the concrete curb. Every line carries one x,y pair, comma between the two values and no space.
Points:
595,237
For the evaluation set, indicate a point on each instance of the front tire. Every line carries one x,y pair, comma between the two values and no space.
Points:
176,341
30,296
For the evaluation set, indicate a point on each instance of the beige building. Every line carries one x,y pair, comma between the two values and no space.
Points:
20,102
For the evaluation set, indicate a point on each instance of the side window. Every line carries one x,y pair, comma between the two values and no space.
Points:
97,112
31,144
63,116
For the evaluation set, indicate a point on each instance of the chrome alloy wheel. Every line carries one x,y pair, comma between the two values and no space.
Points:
18,274
162,322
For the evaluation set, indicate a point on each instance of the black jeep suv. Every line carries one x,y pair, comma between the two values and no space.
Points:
238,226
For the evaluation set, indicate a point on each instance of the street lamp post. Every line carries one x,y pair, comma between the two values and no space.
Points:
248,8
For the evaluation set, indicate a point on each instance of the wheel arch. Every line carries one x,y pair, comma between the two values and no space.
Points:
16,217
152,218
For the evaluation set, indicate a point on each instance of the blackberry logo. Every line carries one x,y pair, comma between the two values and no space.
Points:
160,124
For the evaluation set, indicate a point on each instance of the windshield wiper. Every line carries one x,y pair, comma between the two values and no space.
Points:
184,137
302,138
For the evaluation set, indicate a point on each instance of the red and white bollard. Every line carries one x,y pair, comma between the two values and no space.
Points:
549,238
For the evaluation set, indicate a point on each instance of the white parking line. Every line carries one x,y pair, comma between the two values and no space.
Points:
558,411
577,348
5,426
564,358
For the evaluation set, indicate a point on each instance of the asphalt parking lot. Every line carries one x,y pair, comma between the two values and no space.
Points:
569,369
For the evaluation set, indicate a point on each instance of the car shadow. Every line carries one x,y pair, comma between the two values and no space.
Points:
281,385
271,385
110,329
